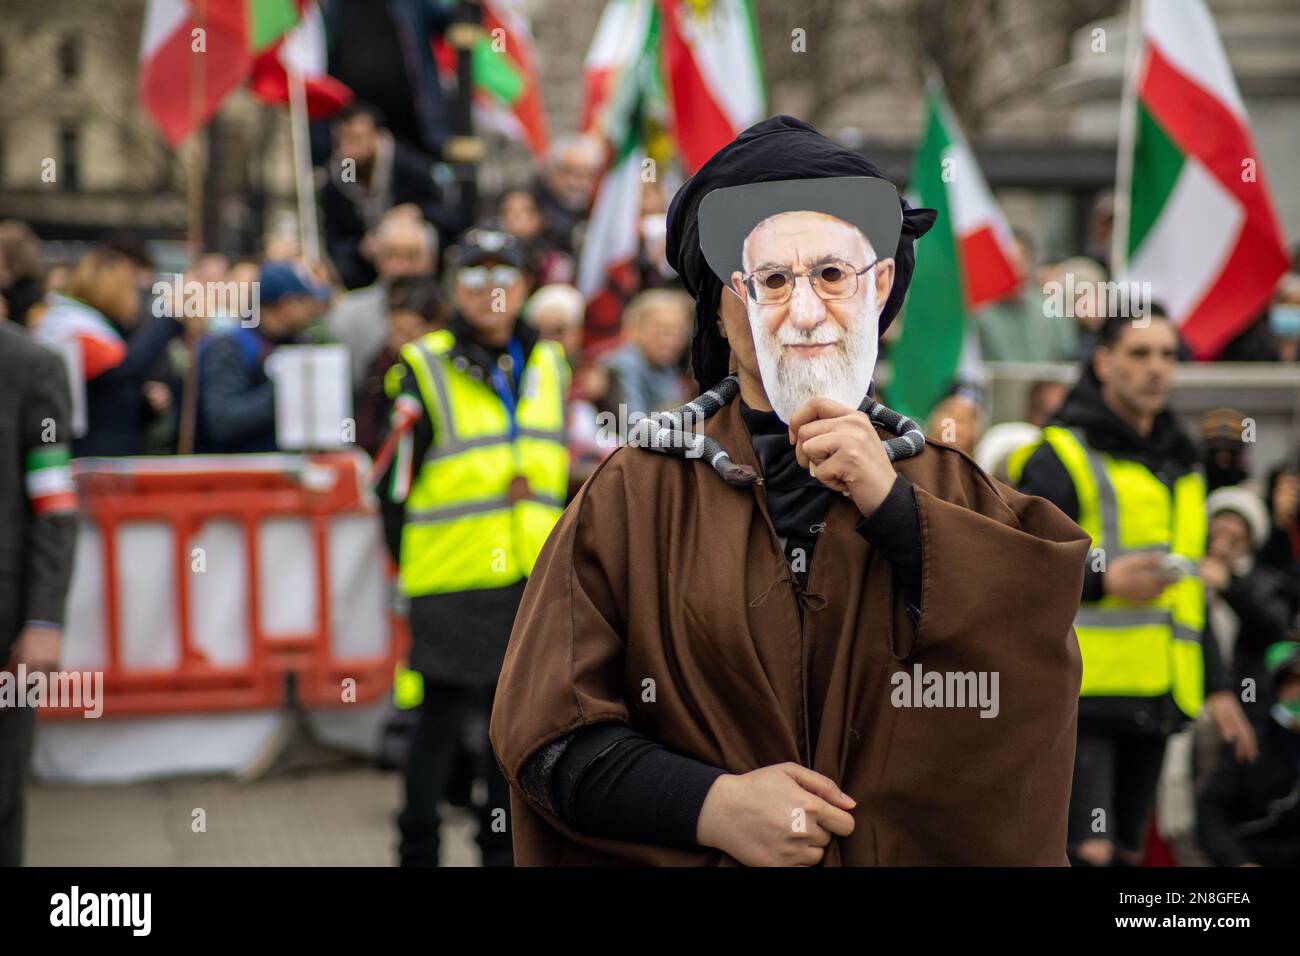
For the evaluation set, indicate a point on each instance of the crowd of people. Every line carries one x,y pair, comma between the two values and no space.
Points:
410,285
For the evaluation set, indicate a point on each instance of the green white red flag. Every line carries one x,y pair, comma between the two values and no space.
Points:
301,50
686,69
507,89
194,52
964,262
621,86
713,73
1193,214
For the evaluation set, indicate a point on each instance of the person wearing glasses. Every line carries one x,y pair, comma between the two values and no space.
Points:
477,478
798,633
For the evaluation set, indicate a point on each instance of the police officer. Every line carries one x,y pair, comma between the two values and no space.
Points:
477,480
1116,461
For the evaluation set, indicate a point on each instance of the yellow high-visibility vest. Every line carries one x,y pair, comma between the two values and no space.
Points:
462,532
408,687
1129,648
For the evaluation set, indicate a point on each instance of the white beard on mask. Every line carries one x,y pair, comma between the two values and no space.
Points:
843,375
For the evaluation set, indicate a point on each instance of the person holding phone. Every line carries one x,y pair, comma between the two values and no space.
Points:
1117,462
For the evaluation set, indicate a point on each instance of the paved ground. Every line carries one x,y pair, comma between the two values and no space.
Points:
326,811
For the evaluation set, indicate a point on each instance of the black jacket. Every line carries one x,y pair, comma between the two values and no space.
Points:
561,221
35,550
236,402
345,227
1282,551
1169,454
458,638
382,49
117,414
1260,600
1250,812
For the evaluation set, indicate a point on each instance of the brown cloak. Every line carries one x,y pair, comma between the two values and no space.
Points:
660,571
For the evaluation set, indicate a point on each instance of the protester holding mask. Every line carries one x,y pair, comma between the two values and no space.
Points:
683,686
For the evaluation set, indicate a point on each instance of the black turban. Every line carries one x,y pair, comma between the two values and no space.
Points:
780,147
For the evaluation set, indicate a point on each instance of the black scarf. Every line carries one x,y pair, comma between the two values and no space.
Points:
796,501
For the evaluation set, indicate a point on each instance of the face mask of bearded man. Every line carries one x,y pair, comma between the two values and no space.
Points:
813,261
810,292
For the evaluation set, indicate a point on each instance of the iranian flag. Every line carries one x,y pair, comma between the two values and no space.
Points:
301,50
619,46
963,263
1193,214
686,69
621,88
607,272
507,89
194,52
713,73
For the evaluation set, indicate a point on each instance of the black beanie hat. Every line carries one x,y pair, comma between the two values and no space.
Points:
780,147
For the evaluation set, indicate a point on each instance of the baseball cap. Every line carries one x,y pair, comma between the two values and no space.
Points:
482,244
279,280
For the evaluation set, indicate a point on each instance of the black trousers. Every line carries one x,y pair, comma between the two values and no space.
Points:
17,731
452,719
1115,775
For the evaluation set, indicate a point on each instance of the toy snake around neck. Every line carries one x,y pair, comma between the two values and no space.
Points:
671,432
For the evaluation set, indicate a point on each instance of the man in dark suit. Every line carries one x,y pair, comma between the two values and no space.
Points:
37,535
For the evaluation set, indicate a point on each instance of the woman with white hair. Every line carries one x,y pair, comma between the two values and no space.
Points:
557,312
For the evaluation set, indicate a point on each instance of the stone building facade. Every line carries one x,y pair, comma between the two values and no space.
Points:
1038,99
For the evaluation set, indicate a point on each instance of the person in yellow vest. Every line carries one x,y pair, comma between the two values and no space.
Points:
1116,461
477,480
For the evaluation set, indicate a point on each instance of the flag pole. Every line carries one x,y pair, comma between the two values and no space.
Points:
309,235
186,418
1127,140
196,173
463,149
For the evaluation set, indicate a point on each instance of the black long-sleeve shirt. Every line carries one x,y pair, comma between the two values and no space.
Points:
117,413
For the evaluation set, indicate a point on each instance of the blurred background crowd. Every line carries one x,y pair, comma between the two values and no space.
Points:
395,182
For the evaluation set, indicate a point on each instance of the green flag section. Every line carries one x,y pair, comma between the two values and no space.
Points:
926,354
268,20
632,110
494,74
507,89
1161,162
963,264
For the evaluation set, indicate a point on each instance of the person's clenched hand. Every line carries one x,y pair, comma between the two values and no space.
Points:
840,448
782,815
